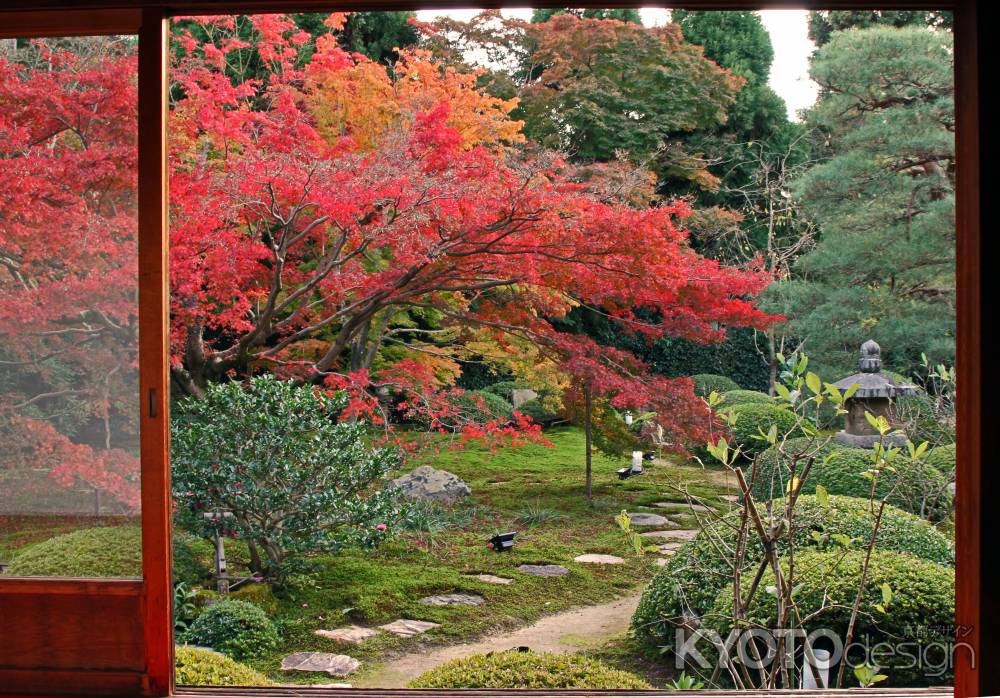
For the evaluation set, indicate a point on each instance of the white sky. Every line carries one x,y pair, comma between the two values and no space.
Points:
788,29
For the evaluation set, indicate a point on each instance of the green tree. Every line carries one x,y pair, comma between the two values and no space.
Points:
378,34
624,14
823,23
883,200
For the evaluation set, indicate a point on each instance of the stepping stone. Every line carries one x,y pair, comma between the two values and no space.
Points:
595,559
669,548
649,520
332,664
661,561
676,535
544,570
452,600
680,506
353,634
408,628
488,578
730,497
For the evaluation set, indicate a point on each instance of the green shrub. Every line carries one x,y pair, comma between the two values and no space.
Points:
917,415
527,670
916,487
746,397
188,566
201,667
108,551
260,595
238,629
706,383
504,389
269,446
943,459
752,418
921,610
538,412
690,581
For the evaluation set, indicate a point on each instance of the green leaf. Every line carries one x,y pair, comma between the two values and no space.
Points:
822,496
814,383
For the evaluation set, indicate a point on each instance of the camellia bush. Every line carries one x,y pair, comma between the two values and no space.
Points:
238,629
294,478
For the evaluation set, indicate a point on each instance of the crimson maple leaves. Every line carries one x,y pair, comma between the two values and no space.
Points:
300,234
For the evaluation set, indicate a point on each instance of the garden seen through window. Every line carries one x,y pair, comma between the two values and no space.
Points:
521,349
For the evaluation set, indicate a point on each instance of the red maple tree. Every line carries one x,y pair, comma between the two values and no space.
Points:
295,236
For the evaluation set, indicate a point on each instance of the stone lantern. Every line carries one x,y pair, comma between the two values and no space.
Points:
876,393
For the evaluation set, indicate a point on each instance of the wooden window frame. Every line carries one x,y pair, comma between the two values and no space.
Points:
51,643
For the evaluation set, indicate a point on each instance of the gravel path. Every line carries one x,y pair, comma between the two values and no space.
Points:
563,633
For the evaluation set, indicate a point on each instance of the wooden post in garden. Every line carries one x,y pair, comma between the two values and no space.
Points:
586,431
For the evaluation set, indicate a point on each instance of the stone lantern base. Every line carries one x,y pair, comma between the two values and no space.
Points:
869,440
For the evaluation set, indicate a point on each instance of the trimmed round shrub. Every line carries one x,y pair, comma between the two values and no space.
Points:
916,487
476,406
752,418
746,397
527,670
538,412
106,551
943,459
238,629
504,389
921,610
196,666
692,579
706,383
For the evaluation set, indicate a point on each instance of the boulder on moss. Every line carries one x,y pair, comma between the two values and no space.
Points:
431,484
513,669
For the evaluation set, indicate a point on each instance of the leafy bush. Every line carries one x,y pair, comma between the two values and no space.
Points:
527,670
943,459
918,416
746,397
504,389
705,383
753,418
200,667
238,629
690,581
296,480
918,487
430,517
188,567
108,551
481,406
921,609
539,413
260,595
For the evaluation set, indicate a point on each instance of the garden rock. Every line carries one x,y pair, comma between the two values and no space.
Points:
353,634
332,664
680,506
428,483
408,628
544,570
661,561
453,600
488,578
649,520
686,534
669,548
595,559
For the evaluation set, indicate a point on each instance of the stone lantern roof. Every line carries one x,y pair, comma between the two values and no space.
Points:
870,381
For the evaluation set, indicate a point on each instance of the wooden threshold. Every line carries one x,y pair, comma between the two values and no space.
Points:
311,692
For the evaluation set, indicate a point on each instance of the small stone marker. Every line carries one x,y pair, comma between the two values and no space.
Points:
332,664
595,559
408,628
649,520
544,570
354,634
452,600
488,578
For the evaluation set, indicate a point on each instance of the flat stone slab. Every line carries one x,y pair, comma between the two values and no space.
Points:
354,634
453,600
544,570
641,519
661,561
408,628
488,578
658,534
670,548
730,497
332,664
684,534
595,559
680,506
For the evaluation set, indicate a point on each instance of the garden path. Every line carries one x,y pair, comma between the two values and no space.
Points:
562,633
